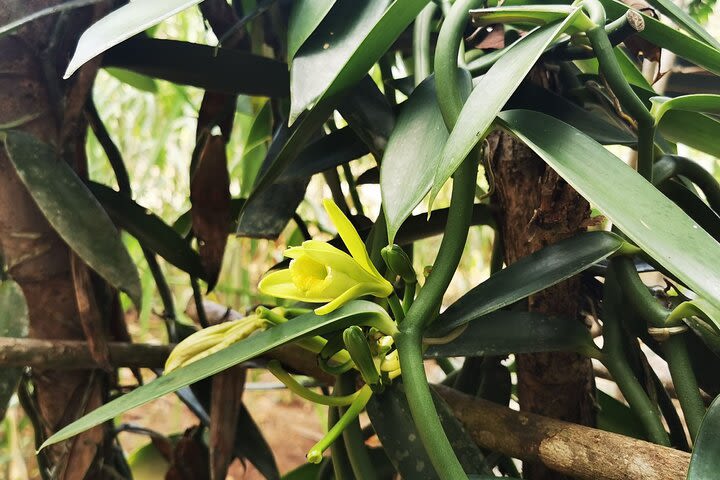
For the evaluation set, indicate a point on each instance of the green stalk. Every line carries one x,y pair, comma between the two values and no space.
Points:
617,364
421,43
338,453
396,307
294,386
353,438
421,313
613,74
686,386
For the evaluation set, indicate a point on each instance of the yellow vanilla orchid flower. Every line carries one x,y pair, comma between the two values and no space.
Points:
321,273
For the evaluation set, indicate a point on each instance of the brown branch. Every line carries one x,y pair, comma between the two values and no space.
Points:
578,451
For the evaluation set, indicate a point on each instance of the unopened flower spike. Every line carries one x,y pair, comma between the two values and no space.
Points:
321,273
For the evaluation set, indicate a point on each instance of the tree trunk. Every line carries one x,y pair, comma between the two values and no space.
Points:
538,208
31,64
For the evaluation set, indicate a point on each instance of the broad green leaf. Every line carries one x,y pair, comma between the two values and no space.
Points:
632,73
702,103
72,211
488,97
149,229
693,206
390,416
700,308
700,53
356,312
654,223
306,471
685,21
705,460
14,322
503,332
346,44
528,15
529,275
121,24
305,16
702,136
217,69
141,82
408,165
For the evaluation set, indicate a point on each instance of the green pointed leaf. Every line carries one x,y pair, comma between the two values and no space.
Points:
14,322
503,332
136,80
356,312
305,16
701,103
705,460
73,211
702,136
685,21
700,53
390,416
490,95
700,308
121,24
149,229
343,48
536,15
185,63
654,223
408,165
529,275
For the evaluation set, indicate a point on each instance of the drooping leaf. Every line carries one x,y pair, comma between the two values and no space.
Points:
355,312
702,103
141,82
305,16
503,332
14,322
226,399
216,69
149,229
657,33
685,21
251,444
529,275
408,166
705,460
341,50
87,229
655,224
702,136
489,95
210,197
121,24
390,416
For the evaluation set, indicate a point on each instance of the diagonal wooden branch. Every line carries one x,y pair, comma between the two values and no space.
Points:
574,450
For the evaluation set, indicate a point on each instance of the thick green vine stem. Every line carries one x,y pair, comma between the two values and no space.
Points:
422,311
674,347
676,165
338,453
421,43
617,364
611,71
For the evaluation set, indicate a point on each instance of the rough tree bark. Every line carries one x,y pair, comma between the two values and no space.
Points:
32,60
538,208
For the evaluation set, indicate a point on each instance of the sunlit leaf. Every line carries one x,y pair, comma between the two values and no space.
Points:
355,312
87,230
702,103
305,16
685,21
121,24
488,97
341,50
529,275
702,136
654,223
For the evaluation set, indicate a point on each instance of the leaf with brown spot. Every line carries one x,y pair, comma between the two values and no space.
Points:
210,198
